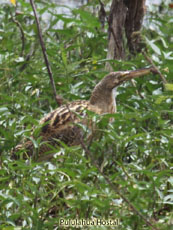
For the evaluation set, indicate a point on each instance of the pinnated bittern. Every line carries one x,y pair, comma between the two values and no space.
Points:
62,122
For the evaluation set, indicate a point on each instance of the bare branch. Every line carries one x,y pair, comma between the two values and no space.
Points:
150,61
28,56
58,98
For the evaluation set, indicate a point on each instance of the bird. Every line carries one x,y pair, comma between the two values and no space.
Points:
62,123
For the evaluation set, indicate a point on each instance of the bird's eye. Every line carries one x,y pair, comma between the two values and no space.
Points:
116,81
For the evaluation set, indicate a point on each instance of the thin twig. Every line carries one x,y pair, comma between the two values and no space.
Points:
58,98
28,56
137,91
150,61
22,34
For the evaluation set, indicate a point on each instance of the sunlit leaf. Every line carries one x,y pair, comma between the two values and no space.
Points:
169,87
154,47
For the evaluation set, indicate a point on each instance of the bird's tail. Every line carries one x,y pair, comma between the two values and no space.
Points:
25,150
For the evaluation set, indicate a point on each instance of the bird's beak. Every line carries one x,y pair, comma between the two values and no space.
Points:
127,75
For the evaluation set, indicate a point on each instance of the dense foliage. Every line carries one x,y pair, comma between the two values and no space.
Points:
134,152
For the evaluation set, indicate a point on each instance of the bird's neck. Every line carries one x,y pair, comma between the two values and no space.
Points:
103,99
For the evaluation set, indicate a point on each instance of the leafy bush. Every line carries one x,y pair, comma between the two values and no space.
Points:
134,152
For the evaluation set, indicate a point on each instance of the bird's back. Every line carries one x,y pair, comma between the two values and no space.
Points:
62,117
60,124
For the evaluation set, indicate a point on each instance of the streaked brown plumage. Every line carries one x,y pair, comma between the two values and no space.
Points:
61,123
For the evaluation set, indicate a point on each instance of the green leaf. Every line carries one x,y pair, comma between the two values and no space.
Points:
153,46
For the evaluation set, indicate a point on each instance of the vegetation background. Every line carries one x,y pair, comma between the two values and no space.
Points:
135,152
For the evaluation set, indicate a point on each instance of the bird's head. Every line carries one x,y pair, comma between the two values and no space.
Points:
103,93
115,79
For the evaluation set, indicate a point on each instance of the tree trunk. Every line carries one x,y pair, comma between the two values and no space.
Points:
125,20
134,20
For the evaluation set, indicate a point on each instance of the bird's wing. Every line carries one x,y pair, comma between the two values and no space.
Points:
61,118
